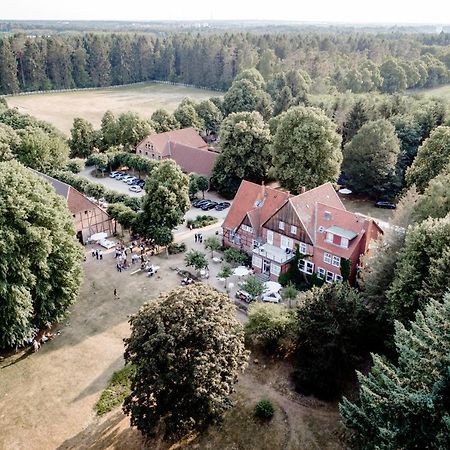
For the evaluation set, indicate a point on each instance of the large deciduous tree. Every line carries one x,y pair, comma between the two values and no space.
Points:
186,115
432,157
422,268
40,259
370,159
166,198
188,349
306,149
82,138
329,327
406,404
164,121
245,152
393,75
211,116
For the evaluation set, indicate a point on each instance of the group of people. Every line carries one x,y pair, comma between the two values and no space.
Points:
97,253
198,237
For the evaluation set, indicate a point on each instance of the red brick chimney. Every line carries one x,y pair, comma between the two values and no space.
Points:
302,190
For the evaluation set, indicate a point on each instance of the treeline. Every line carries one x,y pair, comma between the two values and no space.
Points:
360,62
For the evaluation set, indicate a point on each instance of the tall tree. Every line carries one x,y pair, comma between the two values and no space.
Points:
131,129
99,66
187,116
211,116
394,77
405,404
306,149
370,159
188,349
82,138
8,69
33,63
432,157
245,140
164,121
40,261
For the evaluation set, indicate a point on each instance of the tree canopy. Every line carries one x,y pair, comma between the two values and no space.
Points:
188,349
405,404
40,259
306,149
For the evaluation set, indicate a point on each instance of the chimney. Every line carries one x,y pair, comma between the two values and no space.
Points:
263,190
302,190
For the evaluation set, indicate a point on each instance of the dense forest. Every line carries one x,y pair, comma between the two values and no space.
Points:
335,61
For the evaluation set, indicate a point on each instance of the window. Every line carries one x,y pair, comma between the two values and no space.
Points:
306,266
286,243
321,273
302,248
330,277
146,153
281,225
327,258
338,278
275,269
336,261
293,229
329,237
344,242
270,237
247,228
327,215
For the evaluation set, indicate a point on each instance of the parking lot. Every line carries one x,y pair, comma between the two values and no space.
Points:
120,186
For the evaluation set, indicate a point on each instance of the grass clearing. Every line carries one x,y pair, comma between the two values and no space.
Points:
118,388
60,108
439,92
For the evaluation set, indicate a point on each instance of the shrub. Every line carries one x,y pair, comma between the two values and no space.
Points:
232,255
75,165
175,248
201,221
264,410
118,388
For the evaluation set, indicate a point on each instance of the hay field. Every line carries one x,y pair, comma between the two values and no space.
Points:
60,108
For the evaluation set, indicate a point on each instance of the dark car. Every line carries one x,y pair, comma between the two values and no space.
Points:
196,202
385,204
202,203
208,206
223,205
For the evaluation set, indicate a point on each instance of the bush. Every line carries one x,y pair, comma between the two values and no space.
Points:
201,221
75,165
232,255
118,388
264,410
174,248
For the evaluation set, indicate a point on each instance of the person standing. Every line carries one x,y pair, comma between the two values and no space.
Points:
100,254
96,253
195,237
116,297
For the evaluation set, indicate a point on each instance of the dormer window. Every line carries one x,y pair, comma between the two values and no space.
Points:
344,242
281,225
327,215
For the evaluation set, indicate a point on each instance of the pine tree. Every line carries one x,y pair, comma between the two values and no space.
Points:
8,69
407,405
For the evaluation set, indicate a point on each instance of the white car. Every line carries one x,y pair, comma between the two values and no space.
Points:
113,174
271,297
126,178
130,181
135,188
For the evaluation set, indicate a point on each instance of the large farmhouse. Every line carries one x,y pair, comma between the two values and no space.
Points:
186,147
270,225
88,217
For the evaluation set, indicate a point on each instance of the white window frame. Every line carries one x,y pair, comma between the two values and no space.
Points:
329,237
270,237
275,269
247,228
293,229
303,248
329,278
336,261
281,225
344,242
321,273
327,258
306,266
286,243
338,278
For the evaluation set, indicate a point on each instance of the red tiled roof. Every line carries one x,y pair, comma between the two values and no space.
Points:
77,202
304,204
347,220
246,200
185,136
192,159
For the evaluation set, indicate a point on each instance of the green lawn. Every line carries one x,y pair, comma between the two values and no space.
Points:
440,92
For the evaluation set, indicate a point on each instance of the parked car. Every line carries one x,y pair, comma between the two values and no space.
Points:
131,181
202,203
120,176
208,206
244,296
126,178
196,202
221,206
113,174
135,188
271,297
385,204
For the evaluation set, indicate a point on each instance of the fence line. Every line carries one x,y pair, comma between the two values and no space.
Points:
116,86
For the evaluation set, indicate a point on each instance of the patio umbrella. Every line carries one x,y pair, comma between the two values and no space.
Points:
345,191
272,286
98,236
241,271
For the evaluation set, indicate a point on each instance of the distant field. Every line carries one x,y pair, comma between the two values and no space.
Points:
440,92
61,108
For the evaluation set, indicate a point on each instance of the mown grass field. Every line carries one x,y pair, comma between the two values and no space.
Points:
60,108
439,92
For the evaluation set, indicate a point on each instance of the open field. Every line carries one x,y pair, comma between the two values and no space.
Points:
60,108
439,92
47,399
